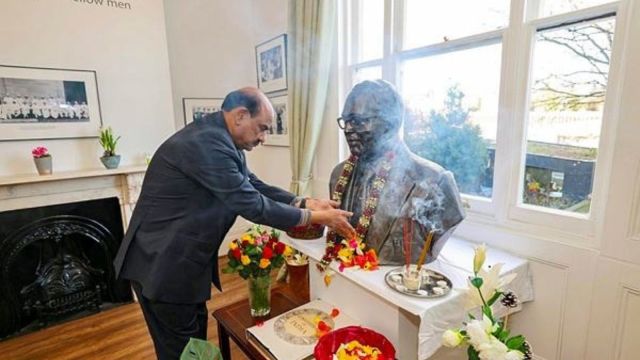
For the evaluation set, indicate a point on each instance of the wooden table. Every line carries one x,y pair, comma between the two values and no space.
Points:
234,319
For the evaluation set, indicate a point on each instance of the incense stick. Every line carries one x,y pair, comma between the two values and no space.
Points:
406,243
425,250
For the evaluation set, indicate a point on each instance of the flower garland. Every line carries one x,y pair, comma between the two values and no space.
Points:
351,252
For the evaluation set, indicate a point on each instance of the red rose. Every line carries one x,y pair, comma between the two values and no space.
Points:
267,253
280,248
237,254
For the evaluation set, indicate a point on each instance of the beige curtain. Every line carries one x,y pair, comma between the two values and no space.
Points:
312,34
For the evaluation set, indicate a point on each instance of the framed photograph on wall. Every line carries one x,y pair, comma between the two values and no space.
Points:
197,108
44,103
279,132
271,63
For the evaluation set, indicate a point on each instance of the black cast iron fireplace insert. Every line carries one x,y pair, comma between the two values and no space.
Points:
56,264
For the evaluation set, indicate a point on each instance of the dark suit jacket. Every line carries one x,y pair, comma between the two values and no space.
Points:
196,185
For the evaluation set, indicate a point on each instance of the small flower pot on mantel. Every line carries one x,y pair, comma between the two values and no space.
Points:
111,162
44,165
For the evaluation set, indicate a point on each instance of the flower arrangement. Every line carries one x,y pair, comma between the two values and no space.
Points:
256,253
40,152
348,253
488,338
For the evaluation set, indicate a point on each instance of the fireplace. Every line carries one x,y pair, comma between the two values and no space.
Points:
56,263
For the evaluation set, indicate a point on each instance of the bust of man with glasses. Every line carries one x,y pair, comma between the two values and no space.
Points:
397,197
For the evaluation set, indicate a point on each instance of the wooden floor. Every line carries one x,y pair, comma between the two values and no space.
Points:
119,333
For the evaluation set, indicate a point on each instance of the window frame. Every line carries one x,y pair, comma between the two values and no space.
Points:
505,208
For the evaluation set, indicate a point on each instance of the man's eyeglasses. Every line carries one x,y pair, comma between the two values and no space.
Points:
354,121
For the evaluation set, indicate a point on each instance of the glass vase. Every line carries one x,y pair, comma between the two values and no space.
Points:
259,295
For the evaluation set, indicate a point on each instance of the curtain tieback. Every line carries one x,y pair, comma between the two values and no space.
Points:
305,179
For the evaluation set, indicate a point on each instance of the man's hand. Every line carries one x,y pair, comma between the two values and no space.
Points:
321,204
336,219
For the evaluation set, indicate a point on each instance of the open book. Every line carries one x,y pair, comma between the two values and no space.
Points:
292,335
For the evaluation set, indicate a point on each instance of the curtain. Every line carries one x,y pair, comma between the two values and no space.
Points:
312,35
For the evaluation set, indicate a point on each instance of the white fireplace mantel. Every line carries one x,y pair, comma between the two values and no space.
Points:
29,191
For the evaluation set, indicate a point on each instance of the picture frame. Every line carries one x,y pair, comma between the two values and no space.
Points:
197,108
279,133
48,103
271,64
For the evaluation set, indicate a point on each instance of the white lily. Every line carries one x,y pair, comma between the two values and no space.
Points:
479,331
479,256
493,349
491,281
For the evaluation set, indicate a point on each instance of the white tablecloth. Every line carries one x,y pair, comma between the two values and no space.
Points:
434,315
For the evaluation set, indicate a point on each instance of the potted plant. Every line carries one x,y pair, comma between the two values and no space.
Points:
42,159
108,141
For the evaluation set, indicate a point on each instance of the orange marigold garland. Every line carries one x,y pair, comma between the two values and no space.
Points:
353,252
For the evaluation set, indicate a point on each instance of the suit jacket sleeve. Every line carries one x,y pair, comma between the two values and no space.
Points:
220,170
272,192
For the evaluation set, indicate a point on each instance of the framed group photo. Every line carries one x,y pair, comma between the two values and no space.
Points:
279,131
271,63
197,108
44,103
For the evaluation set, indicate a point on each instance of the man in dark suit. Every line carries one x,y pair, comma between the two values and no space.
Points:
196,185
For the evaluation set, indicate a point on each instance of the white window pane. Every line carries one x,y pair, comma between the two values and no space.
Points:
431,22
371,29
555,7
569,81
452,103
367,73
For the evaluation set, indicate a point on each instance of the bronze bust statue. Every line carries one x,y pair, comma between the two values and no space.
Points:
387,187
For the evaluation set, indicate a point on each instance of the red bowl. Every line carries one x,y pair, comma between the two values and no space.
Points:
329,343
306,232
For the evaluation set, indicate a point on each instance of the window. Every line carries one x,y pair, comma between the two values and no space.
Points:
452,115
565,112
511,96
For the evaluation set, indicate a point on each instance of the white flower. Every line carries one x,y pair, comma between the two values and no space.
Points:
494,349
514,355
452,338
479,331
479,257
491,282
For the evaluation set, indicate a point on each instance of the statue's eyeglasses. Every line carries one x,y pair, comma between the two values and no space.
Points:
354,121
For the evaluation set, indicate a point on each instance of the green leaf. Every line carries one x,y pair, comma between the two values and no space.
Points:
472,353
228,270
495,297
515,342
477,282
198,349
487,311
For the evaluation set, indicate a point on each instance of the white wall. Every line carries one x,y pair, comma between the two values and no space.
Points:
127,49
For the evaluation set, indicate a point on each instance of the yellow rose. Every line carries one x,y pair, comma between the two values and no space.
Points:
264,263
244,259
233,245
248,238
287,251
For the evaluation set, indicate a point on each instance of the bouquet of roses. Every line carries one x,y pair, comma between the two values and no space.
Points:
488,338
256,253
